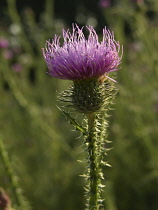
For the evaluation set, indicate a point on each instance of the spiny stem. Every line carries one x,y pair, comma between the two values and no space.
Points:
93,165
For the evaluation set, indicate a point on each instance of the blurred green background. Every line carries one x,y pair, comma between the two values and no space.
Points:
40,143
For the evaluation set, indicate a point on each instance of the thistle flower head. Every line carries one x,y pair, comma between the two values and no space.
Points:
80,58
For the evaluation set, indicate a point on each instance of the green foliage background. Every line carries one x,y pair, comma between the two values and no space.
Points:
40,143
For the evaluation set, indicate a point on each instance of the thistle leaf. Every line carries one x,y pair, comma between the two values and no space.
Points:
73,122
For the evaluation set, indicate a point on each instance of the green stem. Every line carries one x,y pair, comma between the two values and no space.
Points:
93,173
13,179
15,18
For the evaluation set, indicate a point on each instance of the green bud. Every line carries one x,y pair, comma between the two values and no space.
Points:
89,95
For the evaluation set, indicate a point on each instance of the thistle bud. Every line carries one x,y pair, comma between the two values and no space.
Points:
89,95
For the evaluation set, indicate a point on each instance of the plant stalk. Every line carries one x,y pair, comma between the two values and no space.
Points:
93,171
19,199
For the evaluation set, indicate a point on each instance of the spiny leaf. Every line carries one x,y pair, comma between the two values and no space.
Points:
101,186
84,175
73,121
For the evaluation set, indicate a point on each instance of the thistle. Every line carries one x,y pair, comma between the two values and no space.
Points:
87,62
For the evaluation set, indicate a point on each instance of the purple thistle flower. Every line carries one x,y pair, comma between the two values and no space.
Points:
81,58
104,3
7,54
4,43
17,67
